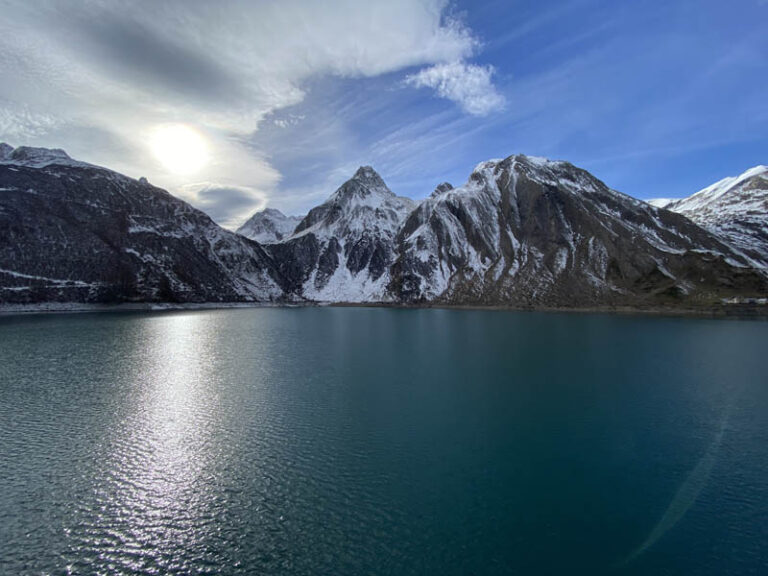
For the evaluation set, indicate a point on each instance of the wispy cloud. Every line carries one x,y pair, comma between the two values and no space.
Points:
469,85
74,69
225,203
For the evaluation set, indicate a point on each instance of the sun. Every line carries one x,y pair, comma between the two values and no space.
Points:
179,148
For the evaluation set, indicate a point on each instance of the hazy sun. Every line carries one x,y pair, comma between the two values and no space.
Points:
181,149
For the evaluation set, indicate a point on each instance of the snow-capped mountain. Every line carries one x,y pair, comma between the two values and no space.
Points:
73,232
37,157
269,226
529,231
343,249
522,231
736,209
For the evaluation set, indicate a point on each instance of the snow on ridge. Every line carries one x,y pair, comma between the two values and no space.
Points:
735,209
717,190
364,203
662,202
269,225
31,157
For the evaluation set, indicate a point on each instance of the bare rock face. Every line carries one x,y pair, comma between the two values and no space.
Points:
530,232
441,189
269,226
736,210
73,232
343,249
523,231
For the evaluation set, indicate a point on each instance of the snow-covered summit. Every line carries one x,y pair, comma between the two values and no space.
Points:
736,209
346,245
77,233
366,187
729,193
527,229
269,225
367,176
364,202
36,157
523,231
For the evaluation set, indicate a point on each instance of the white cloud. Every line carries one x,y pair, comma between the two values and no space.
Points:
18,123
225,203
95,76
468,85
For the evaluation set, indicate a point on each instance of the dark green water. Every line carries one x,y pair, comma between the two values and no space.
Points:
375,441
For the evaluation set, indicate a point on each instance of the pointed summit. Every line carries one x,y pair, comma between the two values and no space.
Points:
365,191
365,185
368,176
347,244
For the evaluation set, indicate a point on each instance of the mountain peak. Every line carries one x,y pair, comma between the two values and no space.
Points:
366,186
274,212
362,202
36,157
722,191
30,153
366,173
269,225
369,179
535,160
733,208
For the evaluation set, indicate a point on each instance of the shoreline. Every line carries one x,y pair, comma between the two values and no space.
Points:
740,310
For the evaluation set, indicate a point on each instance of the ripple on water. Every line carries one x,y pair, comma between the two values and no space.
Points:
353,441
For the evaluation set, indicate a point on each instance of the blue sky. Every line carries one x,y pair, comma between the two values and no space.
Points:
655,98
658,99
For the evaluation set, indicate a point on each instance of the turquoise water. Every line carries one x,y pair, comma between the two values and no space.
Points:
382,441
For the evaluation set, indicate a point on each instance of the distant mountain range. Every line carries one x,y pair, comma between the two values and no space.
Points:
522,232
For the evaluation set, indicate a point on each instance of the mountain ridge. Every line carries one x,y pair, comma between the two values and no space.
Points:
736,209
71,231
522,231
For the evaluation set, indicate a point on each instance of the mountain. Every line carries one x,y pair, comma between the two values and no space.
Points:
73,232
269,226
522,232
343,249
735,209
37,157
527,231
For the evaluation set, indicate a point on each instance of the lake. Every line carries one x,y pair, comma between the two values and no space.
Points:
382,441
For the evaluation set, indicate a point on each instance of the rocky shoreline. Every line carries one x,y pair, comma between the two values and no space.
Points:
724,310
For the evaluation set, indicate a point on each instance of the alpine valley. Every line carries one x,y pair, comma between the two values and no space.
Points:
522,232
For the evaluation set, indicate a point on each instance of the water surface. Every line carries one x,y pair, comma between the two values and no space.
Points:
381,441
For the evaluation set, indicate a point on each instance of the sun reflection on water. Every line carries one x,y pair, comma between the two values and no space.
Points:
154,500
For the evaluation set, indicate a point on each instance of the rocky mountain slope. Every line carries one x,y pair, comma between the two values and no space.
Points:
530,232
72,232
736,209
343,249
522,231
269,226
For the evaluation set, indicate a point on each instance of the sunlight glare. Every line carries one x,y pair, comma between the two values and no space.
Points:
181,149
